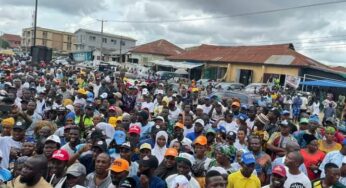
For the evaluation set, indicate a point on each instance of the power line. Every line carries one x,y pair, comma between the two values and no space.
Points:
230,16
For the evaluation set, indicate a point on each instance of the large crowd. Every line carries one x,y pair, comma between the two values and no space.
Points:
65,127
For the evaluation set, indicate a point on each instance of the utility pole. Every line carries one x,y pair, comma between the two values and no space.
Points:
35,23
120,55
101,49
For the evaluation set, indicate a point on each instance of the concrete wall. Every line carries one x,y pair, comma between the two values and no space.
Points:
257,70
112,44
53,39
143,59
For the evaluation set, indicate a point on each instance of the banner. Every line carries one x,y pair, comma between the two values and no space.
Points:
292,81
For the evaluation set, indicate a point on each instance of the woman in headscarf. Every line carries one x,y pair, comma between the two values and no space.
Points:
312,156
160,145
223,157
329,143
70,118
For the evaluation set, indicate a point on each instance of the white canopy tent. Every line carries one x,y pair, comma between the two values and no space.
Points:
177,64
181,71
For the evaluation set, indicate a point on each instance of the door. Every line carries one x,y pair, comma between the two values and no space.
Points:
245,76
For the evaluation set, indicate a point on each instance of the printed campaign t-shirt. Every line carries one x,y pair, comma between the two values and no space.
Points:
297,181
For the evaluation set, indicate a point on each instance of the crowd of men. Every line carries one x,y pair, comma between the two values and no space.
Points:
66,127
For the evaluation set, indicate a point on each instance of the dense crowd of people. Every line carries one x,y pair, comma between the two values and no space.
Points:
68,127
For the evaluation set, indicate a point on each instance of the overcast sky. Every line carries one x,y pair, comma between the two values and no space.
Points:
316,31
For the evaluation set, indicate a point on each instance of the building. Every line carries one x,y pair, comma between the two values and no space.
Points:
13,40
157,50
112,45
250,64
60,41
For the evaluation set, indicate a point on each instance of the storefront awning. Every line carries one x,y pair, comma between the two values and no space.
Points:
325,83
177,64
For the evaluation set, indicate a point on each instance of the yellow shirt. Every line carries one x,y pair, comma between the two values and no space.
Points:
237,180
325,149
41,184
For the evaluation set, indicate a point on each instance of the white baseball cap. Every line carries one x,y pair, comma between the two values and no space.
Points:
53,138
186,157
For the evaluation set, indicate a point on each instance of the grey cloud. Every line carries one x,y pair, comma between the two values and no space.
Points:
73,7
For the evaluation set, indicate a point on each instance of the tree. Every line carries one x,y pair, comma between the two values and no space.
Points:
4,44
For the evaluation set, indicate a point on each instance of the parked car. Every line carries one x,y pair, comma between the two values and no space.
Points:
244,98
254,87
225,86
165,75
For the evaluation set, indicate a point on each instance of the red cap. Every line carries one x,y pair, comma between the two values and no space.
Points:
135,129
61,155
279,170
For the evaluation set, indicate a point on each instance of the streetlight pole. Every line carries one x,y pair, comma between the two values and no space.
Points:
35,23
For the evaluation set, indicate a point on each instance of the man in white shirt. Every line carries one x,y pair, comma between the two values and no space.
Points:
184,166
173,112
12,144
148,103
295,178
207,105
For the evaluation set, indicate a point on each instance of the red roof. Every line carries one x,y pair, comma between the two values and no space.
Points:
14,40
245,54
339,69
159,47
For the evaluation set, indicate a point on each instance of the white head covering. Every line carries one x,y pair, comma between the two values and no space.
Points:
107,129
159,152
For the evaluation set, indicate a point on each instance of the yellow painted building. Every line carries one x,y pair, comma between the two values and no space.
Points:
60,41
247,64
230,72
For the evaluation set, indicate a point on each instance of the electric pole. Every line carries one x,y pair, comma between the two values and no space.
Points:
101,46
35,21
121,43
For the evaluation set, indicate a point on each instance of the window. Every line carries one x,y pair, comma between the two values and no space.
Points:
92,38
68,46
28,34
114,41
123,43
44,42
44,34
69,39
104,40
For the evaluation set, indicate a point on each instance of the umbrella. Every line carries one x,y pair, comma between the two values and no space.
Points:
7,52
181,71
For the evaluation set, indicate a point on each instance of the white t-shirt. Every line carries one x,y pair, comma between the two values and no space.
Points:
206,109
297,181
173,115
233,126
316,108
304,103
193,183
249,124
149,105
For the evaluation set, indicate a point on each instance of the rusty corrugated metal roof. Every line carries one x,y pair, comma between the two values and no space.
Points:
159,47
245,54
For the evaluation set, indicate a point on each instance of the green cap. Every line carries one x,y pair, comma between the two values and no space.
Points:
304,120
211,130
